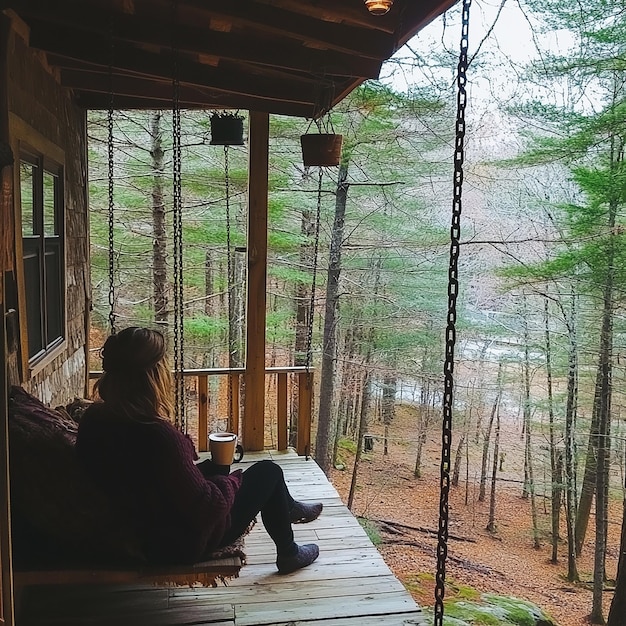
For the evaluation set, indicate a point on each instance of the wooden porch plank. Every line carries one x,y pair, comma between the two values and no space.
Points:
319,608
349,584
287,591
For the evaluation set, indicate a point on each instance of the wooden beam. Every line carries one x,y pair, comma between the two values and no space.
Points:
141,86
248,80
254,408
101,101
151,64
311,30
87,21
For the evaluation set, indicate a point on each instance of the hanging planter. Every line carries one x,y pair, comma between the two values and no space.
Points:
226,129
322,149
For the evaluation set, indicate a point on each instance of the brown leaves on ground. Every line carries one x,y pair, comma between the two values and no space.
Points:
503,562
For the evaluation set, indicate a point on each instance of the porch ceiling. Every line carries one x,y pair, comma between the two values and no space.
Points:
292,57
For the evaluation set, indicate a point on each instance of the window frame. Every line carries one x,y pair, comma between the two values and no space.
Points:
47,251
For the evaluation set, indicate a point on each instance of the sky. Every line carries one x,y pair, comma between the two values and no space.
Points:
500,32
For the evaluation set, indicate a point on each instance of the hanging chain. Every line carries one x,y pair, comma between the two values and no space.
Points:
230,279
309,337
111,208
453,286
111,225
179,387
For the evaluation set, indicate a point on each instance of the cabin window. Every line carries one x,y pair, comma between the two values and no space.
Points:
41,197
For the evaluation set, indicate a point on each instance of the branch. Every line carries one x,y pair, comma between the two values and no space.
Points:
421,529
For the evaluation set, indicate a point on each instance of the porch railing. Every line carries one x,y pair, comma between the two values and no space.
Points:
298,379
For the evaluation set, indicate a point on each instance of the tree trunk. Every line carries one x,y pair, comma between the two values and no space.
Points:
348,378
421,439
570,442
426,413
491,524
604,411
388,405
557,498
556,462
208,283
487,438
458,457
326,428
159,238
359,442
528,441
588,489
618,605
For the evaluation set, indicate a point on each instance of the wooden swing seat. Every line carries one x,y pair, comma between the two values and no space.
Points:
205,574
65,531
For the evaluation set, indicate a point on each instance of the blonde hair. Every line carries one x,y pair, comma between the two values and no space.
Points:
136,380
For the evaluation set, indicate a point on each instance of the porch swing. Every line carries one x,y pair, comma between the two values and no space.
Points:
29,413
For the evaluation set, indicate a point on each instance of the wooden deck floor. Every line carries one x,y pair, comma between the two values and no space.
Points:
349,585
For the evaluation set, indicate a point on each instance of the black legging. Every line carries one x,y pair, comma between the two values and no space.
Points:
263,490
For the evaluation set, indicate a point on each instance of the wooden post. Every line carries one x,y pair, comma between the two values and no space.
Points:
254,407
203,413
7,600
281,410
233,409
305,399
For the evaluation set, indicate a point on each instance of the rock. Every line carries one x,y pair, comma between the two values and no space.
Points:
494,609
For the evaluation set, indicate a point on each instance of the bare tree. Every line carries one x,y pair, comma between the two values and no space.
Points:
326,427
491,524
159,239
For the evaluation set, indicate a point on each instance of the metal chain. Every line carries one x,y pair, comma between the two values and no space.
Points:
453,287
179,387
111,208
230,279
309,338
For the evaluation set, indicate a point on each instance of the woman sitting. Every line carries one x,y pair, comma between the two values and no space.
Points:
183,510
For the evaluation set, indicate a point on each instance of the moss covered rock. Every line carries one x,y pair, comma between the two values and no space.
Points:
494,610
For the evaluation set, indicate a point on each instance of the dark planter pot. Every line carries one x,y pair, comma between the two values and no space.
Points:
321,149
226,130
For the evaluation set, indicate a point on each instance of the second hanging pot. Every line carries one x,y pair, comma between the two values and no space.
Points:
323,149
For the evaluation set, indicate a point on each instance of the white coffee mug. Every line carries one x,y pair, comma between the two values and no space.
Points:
224,448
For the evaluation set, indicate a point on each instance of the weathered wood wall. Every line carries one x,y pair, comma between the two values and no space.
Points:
38,105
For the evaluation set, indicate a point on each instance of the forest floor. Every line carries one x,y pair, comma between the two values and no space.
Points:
504,562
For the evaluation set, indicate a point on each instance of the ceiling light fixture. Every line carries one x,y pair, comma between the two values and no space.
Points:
378,7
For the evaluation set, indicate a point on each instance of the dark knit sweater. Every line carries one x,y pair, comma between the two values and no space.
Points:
147,467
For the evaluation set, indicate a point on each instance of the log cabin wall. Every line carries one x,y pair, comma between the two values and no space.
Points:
41,111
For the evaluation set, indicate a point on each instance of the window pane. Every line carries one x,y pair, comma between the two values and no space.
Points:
27,185
49,203
54,291
32,283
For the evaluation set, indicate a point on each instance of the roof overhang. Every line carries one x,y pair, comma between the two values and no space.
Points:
292,57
